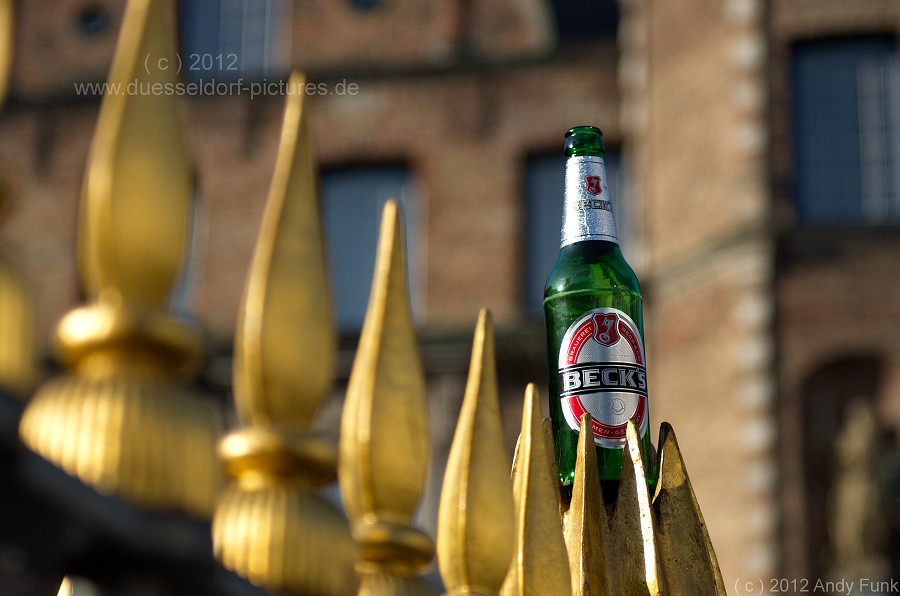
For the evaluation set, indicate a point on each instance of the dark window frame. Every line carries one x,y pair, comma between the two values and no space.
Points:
846,170
350,273
213,51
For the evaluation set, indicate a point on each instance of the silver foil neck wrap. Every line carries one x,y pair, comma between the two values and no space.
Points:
587,213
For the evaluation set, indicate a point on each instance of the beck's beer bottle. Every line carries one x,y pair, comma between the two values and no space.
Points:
592,305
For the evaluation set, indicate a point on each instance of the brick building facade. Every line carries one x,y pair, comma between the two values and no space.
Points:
743,296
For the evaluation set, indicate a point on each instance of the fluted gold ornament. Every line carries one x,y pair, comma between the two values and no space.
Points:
384,430
143,439
476,524
120,420
284,537
270,525
540,563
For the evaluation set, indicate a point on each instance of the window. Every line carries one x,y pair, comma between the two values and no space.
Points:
352,200
93,20
578,20
846,114
544,180
365,5
227,40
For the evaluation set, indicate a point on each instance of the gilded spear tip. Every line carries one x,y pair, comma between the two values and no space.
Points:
385,413
476,521
286,348
385,409
686,552
587,525
138,190
540,562
7,21
283,368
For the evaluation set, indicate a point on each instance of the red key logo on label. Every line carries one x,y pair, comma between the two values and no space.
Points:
593,185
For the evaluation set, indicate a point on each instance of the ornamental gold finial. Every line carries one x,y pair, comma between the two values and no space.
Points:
139,185
540,563
119,420
7,22
270,525
17,366
384,430
285,348
476,525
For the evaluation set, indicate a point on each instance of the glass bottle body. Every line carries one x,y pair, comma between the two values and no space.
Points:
589,275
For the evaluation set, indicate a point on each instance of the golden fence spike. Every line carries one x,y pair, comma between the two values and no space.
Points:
17,357
587,525
476,524
385,417
7,24
540,563
685,551
285,347
139,185
547,426
119,421
270,525
635,569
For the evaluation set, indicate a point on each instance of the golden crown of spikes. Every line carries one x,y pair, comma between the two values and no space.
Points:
123,420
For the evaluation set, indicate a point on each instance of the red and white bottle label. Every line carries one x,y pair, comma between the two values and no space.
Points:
602,372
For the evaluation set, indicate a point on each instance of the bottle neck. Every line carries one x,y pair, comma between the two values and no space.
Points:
587,212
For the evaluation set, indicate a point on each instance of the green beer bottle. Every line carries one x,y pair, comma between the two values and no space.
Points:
592,306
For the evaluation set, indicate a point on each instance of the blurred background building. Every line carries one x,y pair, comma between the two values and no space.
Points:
755,148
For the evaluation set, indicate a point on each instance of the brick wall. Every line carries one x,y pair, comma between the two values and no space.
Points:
838,298
465,130
44,150
58,42
465,134
410,34
692,75
836,289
